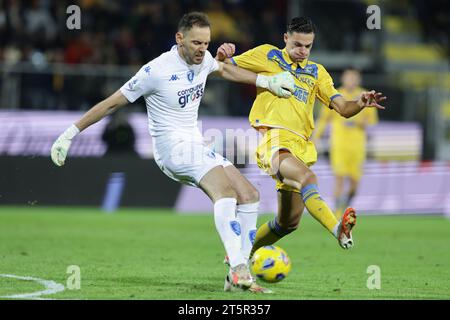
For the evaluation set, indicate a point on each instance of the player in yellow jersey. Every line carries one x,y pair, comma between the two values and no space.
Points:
347,140
286,151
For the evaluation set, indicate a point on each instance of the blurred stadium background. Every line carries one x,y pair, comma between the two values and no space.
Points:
52,217
50,75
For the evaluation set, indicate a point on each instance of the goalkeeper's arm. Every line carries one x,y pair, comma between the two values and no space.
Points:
61,146
281,84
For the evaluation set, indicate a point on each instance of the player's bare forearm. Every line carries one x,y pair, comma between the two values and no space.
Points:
367,99
236,74
101,110
281,84
61,146
350,109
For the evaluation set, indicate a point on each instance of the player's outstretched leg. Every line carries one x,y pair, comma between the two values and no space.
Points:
290,209
247,208
247,215
267,234
297,175
218,187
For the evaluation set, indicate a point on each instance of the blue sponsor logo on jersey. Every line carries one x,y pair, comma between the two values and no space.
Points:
190,95
301,94
147,69
190,75
174,77
236,227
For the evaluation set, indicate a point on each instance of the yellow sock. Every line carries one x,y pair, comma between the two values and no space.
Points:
318,208
338,213
267,234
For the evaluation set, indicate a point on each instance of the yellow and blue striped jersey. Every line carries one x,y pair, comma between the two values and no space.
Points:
295,113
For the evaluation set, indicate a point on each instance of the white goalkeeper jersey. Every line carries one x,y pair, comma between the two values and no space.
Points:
172,90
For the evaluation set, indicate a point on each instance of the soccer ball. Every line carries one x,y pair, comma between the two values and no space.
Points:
270,264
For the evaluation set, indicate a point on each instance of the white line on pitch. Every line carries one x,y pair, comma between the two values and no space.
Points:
51,287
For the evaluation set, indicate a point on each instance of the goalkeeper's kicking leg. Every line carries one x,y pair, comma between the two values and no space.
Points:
247,216
218,187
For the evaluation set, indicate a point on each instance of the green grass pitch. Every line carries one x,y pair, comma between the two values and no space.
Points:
158,254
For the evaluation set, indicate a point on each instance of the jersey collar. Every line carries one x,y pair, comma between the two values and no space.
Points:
177,54
288,59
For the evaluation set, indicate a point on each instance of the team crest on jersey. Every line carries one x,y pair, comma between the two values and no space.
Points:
190,75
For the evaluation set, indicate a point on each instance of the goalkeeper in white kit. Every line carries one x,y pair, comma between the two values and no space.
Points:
173,85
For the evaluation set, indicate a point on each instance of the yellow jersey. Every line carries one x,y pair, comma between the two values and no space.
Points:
295,113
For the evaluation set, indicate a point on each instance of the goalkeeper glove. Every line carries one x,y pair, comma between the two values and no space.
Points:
61,146
281,84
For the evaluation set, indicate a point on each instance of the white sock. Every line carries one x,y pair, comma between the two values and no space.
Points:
229,229
247,215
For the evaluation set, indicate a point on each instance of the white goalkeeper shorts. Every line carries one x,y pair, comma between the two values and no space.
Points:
186,161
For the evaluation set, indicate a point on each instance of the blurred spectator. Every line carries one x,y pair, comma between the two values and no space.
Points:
39,23
121,32
342,33
12,55
434,17
78,50
125,32
223,27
